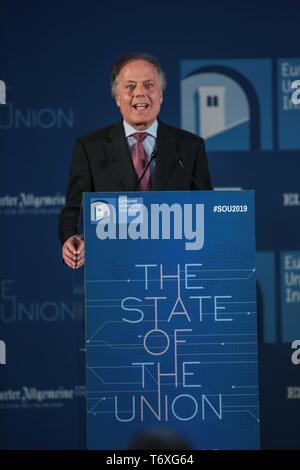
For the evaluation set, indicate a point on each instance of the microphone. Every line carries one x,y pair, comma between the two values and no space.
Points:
153,157
179,161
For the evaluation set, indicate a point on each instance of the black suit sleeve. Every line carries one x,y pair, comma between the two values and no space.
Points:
200,170
80,180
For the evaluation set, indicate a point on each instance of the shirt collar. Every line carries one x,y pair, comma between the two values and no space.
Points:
152,130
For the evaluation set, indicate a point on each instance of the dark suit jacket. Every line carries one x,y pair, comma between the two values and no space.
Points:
102,162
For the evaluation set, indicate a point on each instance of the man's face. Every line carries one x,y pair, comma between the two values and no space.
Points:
139,94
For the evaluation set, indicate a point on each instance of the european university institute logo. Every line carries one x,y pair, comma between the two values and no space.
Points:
231,104
99,210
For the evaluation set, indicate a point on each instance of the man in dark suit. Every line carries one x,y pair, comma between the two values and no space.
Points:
138,153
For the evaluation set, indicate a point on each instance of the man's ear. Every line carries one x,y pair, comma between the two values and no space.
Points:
117,100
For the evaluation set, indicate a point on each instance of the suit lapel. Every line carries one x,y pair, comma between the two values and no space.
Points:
119,156
165,156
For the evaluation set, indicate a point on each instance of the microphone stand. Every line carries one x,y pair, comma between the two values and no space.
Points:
179,161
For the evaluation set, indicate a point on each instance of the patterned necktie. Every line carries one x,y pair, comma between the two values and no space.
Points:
140,160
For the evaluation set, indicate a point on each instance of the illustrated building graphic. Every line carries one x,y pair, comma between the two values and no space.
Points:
211,110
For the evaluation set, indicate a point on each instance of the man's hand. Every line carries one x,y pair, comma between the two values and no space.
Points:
73,252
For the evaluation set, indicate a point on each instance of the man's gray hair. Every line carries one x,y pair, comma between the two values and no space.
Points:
116,68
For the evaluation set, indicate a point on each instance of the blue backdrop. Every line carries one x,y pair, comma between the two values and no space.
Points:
55,60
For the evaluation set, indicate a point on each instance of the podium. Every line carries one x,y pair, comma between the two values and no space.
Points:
171,323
